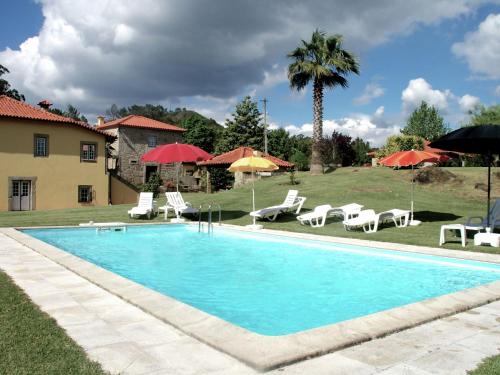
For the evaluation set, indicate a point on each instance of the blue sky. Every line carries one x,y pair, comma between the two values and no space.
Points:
177,53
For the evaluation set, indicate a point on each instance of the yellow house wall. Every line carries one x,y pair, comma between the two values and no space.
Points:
59,174
121,193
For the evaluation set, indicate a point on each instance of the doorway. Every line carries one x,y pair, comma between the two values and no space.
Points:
149,170
21,195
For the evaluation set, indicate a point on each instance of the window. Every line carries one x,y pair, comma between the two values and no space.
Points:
152,141
88,152
84,193
132,162
41,145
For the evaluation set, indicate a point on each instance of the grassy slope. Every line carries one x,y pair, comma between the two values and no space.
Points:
31,342
490,366
377,188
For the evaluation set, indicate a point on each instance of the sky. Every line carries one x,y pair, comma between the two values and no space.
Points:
207,55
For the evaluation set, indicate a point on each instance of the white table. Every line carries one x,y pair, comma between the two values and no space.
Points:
459,227
492,239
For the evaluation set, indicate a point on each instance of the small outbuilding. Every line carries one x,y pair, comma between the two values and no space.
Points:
226,159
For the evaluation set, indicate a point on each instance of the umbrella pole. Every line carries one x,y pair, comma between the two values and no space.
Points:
489,188
412,221
177,176
253,196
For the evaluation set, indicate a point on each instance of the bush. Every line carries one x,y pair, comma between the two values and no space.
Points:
397,143
301,160
153,184
221,178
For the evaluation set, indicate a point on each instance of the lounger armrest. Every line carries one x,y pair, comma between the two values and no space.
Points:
299,202
471,219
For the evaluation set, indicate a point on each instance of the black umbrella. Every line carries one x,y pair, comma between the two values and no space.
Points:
480,139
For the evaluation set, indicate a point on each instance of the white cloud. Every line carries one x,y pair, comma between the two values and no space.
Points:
419,90
481,48
125,51
380,111
373,129
372,91
497,90
468,102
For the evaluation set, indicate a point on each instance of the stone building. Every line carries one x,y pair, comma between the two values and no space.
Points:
136,135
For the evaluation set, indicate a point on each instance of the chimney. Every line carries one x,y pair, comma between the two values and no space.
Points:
45,104
100,120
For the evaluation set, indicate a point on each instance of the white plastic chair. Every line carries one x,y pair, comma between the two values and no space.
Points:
479,223
176,203
291,201
145,206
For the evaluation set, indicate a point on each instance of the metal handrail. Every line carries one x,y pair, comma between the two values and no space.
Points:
210,227
220,212
209,212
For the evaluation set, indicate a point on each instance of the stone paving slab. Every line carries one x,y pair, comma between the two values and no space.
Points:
127,340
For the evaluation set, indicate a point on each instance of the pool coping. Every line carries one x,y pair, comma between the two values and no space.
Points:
262,352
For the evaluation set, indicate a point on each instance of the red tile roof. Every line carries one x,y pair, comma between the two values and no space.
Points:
437,150
243,152
140,122
16,109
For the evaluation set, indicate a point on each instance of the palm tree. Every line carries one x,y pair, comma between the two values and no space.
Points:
325,63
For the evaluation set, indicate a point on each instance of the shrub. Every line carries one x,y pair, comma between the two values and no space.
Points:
153,184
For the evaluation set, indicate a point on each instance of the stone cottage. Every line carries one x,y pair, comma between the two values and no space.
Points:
136,135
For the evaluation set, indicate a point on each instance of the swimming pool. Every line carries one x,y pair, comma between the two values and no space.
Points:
269,284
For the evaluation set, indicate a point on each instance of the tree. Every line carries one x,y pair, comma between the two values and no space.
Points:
113,112
5,86
425,122
70,112
279,143
301,151
482,115
325,63
244,129
336,149
403,142
361,148
200,134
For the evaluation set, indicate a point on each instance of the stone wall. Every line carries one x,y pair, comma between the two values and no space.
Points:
133,143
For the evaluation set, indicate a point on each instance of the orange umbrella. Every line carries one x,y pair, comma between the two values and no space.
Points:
405,159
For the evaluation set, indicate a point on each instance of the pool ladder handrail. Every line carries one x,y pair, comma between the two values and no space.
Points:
210,228
209,212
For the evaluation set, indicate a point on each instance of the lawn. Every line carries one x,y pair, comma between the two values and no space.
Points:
31,342
377,188
490,366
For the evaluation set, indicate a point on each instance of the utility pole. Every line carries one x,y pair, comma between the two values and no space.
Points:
265,125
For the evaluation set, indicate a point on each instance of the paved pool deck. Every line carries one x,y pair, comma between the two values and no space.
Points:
127,340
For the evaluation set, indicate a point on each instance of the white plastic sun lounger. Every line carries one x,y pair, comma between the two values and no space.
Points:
318,216
145,206
369,220
291,201
176,203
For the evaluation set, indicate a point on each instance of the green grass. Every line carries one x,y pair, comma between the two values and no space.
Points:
490,366
377,188
31,342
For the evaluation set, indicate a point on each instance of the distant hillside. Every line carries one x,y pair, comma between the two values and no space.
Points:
179,116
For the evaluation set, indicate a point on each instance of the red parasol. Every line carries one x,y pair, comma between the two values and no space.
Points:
176,153
407,158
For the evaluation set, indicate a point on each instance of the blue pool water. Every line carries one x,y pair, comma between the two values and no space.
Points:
272,285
